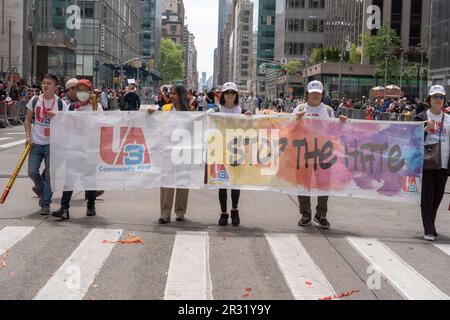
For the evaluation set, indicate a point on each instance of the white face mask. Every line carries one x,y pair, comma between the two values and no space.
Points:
83,96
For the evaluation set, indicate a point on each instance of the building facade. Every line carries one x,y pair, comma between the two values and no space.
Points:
265,41
173,21
35,31
440,41
343,22
410,18
108,42
243,28
224,8
150,40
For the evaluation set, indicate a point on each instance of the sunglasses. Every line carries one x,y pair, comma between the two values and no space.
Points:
229,92
438,97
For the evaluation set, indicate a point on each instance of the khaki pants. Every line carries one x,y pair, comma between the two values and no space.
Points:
181,201
305,206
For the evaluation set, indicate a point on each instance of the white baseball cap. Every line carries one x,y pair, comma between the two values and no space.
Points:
315,86
437,90
72,83
230,86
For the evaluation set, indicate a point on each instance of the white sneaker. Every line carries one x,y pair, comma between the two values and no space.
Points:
429,237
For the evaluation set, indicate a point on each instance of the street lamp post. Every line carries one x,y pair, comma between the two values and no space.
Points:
421,73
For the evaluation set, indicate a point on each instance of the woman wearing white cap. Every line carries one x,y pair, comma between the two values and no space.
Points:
229,103
435,173
314,108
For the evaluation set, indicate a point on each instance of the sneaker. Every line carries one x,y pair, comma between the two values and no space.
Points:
36,191
429,237
45,211
235,220
164,220
62,213
304,221
223,219
180,218
322,222
90,212
100,193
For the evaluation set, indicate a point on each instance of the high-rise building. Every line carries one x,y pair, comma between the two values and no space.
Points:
440,41
109,41
343,22
191,62
226,59
299,28
265,40
243,30
151,25
224,8
173,21
33,31
410,18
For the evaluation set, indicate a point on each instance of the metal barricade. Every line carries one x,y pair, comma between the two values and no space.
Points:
4,119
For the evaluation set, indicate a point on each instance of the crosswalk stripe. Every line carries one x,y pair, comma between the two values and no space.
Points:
407,281
302,275
444,248
3,139
78,272
9,236
189,274
12,144
16,133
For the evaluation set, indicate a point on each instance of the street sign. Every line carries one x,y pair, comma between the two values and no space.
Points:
284,61
273,66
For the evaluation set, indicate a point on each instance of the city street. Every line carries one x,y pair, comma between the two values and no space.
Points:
268,257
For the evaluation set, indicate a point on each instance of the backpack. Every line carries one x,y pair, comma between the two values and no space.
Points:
329,109
36,100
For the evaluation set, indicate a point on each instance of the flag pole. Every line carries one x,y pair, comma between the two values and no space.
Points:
15,174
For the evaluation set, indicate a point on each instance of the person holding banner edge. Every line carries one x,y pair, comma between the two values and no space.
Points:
84,91
314,108
180,102
437,158
37,129
229,103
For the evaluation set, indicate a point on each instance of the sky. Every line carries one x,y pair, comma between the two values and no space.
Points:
202,20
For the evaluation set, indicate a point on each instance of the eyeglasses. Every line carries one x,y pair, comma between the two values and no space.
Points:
229,92
438,97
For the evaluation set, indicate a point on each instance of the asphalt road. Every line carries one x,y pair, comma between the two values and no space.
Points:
268,257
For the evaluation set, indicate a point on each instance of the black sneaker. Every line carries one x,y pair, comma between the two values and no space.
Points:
322,222
163,221
62,213
304,221
180,219
224,219
100,193
90,212
235,220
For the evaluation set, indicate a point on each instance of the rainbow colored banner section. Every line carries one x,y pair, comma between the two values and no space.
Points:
361,159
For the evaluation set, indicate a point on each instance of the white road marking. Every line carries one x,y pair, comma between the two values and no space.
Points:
407,281
443,247
10,236
78,272
302,275
189,275
12,144
3,139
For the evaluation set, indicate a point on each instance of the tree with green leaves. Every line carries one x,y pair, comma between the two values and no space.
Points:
293,67
171,63
381,46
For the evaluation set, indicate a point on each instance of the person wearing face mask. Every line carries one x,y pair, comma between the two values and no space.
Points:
84,104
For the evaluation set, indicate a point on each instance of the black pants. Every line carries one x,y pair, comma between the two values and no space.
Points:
223,198
67,196
433,188
305,206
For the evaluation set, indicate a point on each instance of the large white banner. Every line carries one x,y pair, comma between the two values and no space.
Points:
127,150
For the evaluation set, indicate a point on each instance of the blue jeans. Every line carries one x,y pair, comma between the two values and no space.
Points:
42,182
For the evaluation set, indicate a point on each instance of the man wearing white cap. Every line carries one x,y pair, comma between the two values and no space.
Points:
435,173
71,91
314,108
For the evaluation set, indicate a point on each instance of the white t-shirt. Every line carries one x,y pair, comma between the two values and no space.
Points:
433,136
40,133
89,108
320,112
236,110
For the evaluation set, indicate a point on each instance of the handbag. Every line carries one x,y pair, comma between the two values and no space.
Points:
433,153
